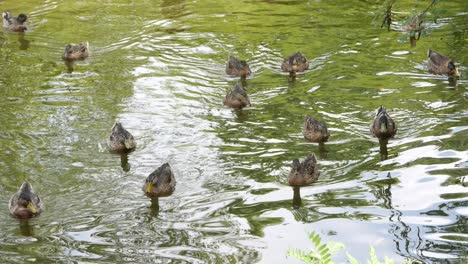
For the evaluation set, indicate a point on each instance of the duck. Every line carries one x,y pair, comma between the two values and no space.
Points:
15,24
25,203
297,62
305,172
383,126
75,52
315,130
160,183
236,67
237,97
440,64
120,140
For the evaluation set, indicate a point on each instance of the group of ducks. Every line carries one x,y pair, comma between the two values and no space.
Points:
26,204
72,52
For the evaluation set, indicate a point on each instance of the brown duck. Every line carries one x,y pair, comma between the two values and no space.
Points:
160,183
297,62
25,203
120,140
75,52
440,64
237,97
383,126
305,172
315,130
236,67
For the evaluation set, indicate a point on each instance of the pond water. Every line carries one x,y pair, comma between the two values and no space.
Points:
159,68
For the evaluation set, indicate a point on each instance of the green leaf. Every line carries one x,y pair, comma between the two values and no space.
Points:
388,260
297,253
352,260
374,259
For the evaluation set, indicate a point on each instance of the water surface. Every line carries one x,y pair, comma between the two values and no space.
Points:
159,68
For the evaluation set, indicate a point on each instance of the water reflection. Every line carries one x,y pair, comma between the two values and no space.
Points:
24,43
173,8
453,81
25,228
296,201
124,162
154,208
69,64
322,150
383,149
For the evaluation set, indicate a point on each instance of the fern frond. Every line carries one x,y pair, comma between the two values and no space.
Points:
297,253
352,260
373,257
388,260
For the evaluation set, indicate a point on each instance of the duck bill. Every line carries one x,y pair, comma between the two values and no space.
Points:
128,144
149,188
457,73
32,208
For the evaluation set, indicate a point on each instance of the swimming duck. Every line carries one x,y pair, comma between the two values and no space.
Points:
295,63
120,140
305,172
76,51
160,183
237,97
236,67
14,24
440,64
315,130
25,203
383,126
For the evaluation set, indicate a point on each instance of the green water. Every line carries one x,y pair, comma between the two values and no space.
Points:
159,68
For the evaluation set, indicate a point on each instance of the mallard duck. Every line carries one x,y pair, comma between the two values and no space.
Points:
120,140
76,51
236,67
25,203
440,64
14,23
315,130
383,126
160,183
237,97
305,172
295,63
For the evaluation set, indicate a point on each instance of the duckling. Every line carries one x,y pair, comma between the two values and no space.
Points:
440,64
237,97
315,130
295,63
160,183
383,126
76,51
304,173
14,24
236,67
120,140
25,203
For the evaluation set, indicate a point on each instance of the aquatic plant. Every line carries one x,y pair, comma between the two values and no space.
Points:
411,23
322,252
